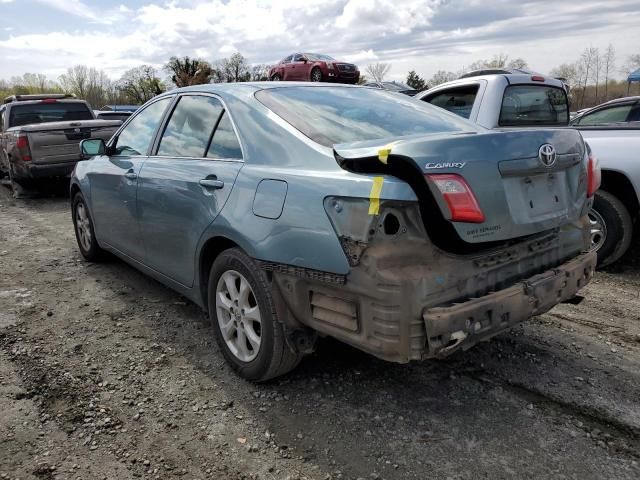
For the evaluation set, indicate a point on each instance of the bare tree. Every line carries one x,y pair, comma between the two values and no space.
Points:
609,66
587,61
441,76
140,84
232,69
498,61
633,63
75,80
377,71
187,71
259,72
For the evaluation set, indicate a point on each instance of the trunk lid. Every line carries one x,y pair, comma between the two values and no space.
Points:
517,192
58,142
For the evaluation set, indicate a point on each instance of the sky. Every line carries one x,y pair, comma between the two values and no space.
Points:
48,36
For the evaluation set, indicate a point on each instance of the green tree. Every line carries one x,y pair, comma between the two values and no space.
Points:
416,81
187,71
140,84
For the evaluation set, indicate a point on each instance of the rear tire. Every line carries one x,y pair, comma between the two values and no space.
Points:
617,231
252,343
83,227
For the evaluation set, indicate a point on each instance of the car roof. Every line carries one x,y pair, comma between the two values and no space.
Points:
618,100
242,88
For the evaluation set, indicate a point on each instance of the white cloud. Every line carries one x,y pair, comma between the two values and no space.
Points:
421,35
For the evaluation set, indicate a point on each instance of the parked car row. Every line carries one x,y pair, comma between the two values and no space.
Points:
306,210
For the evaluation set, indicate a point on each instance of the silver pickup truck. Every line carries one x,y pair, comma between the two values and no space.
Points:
40,137
510,98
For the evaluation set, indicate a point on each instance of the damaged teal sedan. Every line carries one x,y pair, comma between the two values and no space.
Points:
292,211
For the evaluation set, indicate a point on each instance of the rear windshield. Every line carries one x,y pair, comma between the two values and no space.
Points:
534,105
331,115
48,112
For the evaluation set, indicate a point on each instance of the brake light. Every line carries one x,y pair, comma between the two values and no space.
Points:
22,144
594,175
460,199
537,78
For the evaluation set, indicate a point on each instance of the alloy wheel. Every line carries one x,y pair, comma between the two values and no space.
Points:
238,315
597,230
316,75
83,226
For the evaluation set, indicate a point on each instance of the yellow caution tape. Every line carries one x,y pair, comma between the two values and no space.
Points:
374,196
383,154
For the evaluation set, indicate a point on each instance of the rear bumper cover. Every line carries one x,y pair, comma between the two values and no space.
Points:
392,319
465,324
34,171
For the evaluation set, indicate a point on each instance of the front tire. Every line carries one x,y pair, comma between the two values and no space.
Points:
85,233
611,228
244,319
316,75
276,78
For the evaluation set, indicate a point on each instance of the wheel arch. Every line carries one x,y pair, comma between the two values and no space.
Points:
211,248
618,184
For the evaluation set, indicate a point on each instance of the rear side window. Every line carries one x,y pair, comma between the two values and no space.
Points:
224,143
48,112
331,115
616,114
188,132
456,100
524,105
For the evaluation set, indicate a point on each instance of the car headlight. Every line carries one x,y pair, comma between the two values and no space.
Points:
330,66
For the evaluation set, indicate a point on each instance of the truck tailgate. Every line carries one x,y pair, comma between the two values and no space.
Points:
58,142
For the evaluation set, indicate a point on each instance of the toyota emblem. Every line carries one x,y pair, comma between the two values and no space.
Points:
547,154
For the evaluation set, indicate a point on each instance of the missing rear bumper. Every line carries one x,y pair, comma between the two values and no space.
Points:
464,324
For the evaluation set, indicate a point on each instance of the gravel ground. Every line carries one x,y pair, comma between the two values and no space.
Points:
105,373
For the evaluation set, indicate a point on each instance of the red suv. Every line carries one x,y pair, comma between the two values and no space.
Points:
314,67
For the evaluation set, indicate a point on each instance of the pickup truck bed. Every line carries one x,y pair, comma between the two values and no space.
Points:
40,136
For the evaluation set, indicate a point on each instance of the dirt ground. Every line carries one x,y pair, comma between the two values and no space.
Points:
106,374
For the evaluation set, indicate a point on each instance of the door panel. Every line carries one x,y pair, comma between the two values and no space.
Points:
114,182
178,198
180,191
113,201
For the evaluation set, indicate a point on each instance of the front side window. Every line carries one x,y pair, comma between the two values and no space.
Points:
288,59
137,136
298,57
526,105
457,100
615,114
331,115
224,143
188,132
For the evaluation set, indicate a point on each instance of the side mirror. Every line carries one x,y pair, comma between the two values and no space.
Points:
92,147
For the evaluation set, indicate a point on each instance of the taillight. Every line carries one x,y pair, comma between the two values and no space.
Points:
594,175
22,144
49,100
537,78
460,199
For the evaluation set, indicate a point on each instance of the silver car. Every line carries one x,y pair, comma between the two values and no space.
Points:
290,211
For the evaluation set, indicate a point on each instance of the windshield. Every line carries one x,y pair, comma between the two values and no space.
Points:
314,57
534,105
396,86
331,115
48,112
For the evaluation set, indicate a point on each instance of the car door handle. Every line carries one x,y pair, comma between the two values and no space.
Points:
131,175
211,183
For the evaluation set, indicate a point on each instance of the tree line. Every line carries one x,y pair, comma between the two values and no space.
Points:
590,77
138,84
